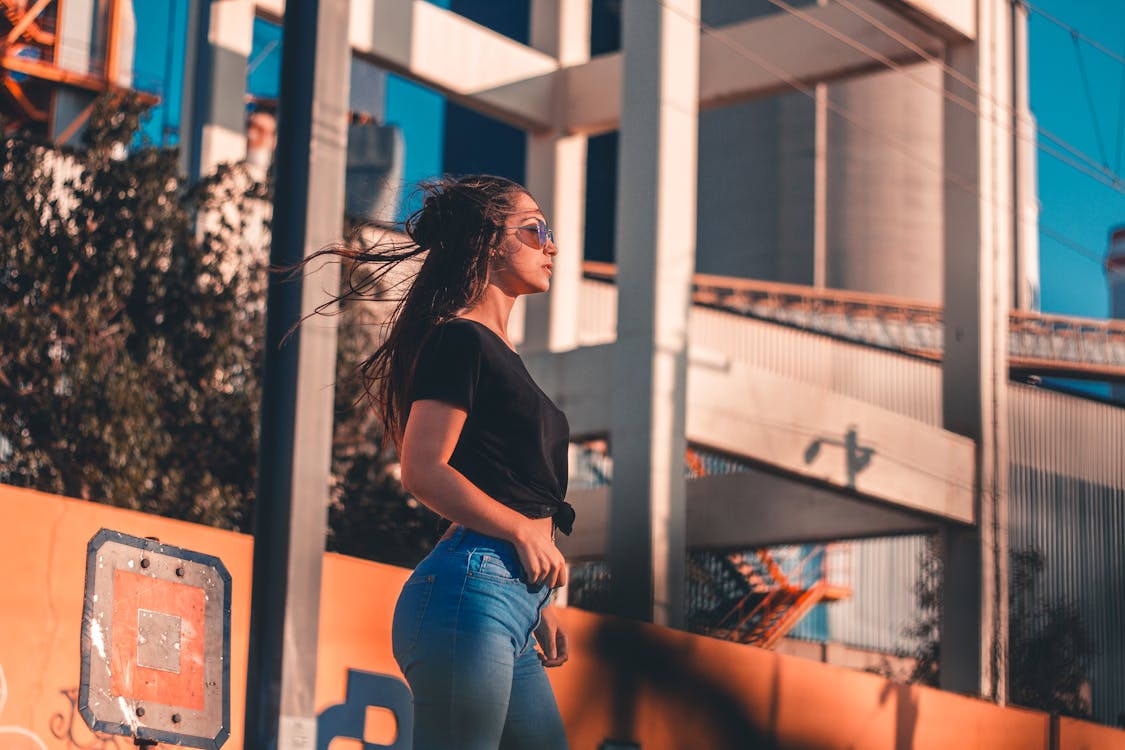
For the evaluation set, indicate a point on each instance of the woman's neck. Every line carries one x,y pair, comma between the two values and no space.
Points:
493,310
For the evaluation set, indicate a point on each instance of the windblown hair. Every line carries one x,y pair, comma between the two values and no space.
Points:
457,228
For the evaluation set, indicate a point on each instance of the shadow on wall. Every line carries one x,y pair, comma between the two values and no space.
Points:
856,457
906,712
643,666
667,693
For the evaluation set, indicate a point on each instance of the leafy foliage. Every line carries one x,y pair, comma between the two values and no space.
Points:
926,630
124,377
1050,648
1049,645
370,514
131,335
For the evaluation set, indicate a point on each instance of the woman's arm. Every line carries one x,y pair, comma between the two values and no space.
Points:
431,434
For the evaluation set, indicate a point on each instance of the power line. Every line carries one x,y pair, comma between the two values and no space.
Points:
1090,100
1098,171
898,145
965,80
1073,245
1120,120
1075,33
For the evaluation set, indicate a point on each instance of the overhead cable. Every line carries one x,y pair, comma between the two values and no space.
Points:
899,145
967,81
1072,31
1099,171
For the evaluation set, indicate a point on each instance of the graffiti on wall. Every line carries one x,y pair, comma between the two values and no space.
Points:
23,738
364,690
367,690
68,725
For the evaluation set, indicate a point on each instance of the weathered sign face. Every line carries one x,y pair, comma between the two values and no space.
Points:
155,642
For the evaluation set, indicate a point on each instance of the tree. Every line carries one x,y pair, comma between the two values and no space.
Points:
370,514
131,335
1050,648
1049,644
127,367
926,630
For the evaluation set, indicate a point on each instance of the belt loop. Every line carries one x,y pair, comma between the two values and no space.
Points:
458,535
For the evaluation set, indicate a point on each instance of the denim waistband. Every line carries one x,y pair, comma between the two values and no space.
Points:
466,538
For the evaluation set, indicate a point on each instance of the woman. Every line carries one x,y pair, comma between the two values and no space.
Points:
485,448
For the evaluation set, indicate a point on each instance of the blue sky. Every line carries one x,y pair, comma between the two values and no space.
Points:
1073,204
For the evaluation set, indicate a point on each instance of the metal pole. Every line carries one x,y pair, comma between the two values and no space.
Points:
292,493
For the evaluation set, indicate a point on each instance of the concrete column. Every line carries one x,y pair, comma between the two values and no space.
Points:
290,515
655,241
979,247
556,176
820,189
820,183
196,61
1026,276
222,97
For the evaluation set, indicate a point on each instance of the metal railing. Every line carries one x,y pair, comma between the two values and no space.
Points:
752,596
1038,344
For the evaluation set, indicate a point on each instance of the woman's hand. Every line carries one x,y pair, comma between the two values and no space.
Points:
541,559
551,639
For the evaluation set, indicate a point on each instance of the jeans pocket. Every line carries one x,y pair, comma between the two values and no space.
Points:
493,567
410,610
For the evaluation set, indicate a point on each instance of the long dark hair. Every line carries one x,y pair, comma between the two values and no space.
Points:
457,229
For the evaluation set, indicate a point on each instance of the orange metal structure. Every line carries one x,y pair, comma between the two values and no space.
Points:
774,600
30,74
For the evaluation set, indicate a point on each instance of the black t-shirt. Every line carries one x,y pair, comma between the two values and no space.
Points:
514,442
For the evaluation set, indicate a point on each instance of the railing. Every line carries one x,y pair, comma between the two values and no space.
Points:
755,596
776,599
1038,344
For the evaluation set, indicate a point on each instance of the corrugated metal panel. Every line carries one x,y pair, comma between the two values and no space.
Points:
885,574
898,382
1067,494
1067,484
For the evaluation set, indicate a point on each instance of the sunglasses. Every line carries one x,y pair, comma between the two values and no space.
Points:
543,233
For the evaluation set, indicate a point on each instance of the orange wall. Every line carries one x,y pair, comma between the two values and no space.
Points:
661,688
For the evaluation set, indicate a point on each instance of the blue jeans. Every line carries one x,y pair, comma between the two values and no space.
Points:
463,637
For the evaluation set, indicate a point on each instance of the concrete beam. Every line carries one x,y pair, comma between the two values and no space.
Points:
579,383
556,176
750,509
655,243
521,86
797,428
979,254
954,20
463,60
729,69
223,94
295,452
823,435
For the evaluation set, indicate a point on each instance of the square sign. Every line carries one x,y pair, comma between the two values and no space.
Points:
155,642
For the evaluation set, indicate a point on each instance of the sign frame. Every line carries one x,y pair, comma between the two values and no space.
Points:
196,698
